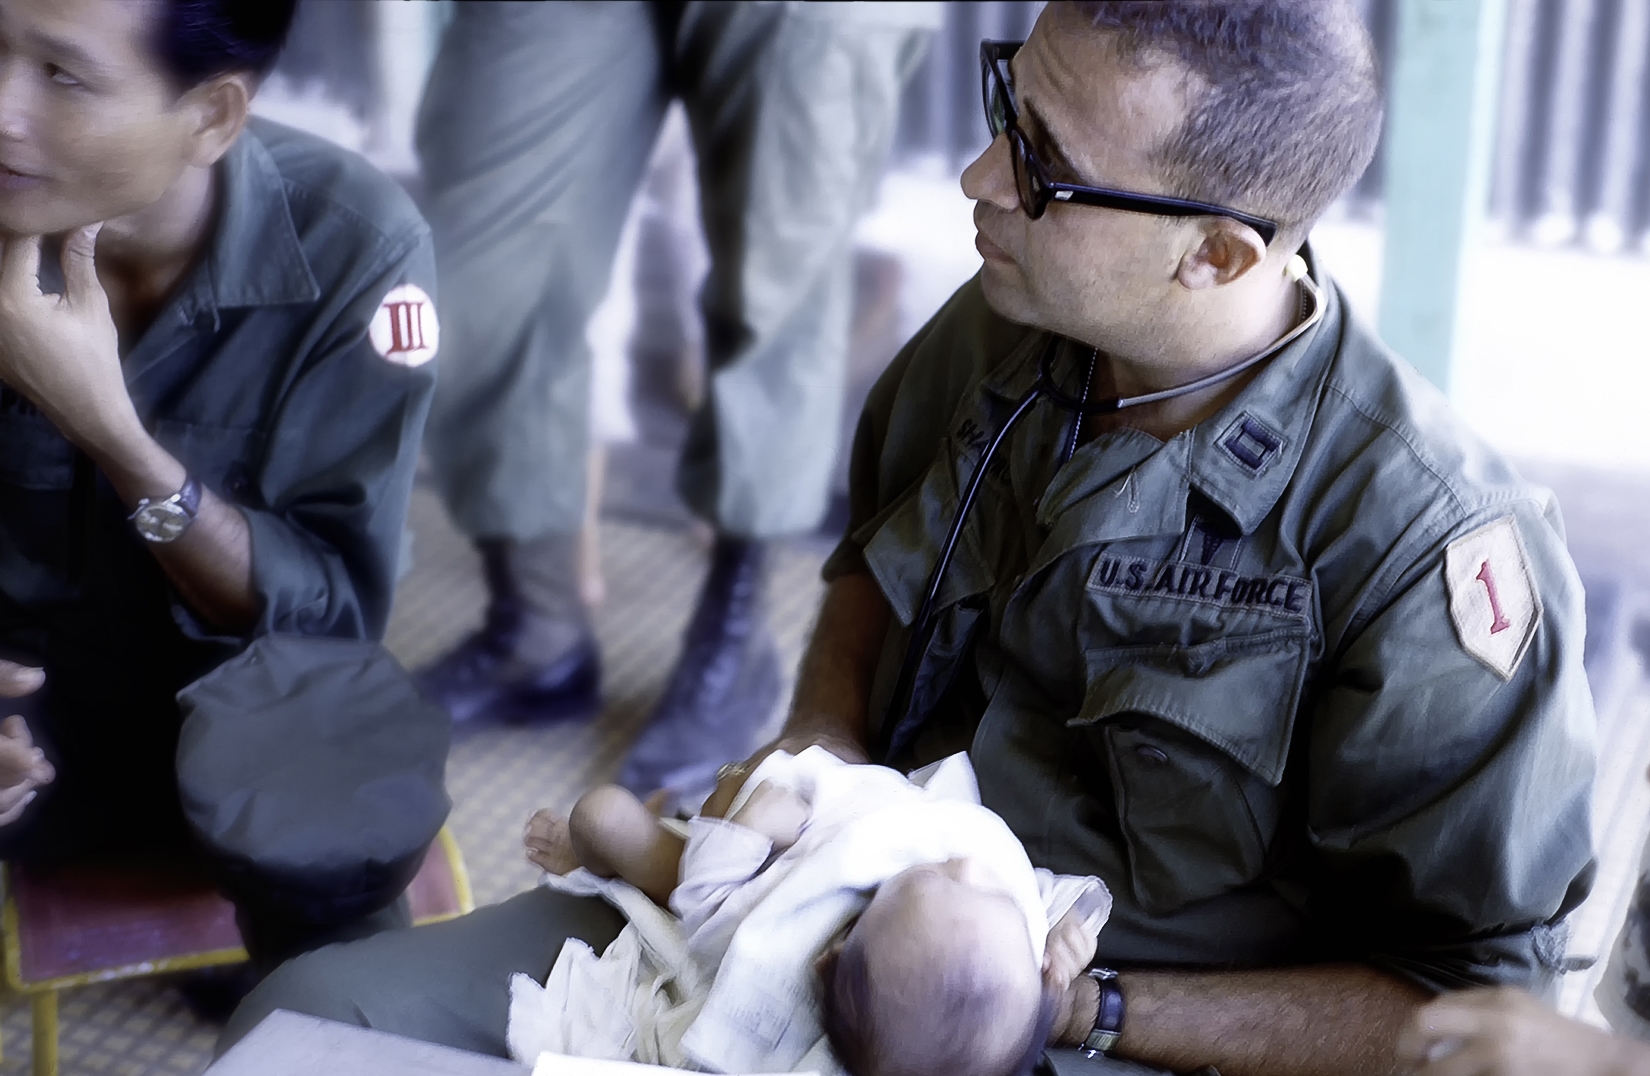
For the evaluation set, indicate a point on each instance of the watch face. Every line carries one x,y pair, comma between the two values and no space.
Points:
162,522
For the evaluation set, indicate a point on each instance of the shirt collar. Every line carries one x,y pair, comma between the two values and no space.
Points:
256,258
1243,457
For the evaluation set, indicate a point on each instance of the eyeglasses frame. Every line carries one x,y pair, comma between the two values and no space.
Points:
994,59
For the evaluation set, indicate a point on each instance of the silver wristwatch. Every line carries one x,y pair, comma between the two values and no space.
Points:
165,519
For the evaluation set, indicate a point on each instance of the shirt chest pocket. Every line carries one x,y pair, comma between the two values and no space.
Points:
1196,740
221,457
33,455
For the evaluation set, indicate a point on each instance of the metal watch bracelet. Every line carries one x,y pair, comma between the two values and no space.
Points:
1108,1017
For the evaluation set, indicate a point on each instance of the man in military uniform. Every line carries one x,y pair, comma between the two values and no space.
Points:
1288,657
209,417
535,129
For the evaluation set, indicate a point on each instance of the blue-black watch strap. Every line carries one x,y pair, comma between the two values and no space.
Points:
1108,1017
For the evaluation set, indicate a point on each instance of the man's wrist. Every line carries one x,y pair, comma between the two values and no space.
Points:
135,463
1082,1008
826,731
116,441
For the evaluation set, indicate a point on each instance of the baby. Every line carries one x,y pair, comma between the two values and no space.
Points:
943,961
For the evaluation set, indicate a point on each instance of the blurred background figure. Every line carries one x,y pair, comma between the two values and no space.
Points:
535,129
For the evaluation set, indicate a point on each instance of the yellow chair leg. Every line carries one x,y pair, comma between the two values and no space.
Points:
45,1032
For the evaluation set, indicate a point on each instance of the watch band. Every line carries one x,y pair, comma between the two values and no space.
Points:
189,497
1108,1017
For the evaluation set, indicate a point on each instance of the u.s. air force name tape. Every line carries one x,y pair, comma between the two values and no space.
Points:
1214,586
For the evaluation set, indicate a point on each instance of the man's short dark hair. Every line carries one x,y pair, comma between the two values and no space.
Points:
201,39
848,1014
1284,102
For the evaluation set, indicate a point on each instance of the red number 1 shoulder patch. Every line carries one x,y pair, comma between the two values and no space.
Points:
404,329
1492,597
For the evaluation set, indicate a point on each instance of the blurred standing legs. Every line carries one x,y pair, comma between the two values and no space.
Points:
536,126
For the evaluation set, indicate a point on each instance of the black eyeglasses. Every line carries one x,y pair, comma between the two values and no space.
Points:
1031,177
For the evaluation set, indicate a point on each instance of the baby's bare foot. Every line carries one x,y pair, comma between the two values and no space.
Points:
549,844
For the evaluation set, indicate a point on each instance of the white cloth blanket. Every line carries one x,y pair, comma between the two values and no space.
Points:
727,984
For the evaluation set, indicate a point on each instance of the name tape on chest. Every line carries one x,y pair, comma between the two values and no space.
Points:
404,329
1214,586
1492,597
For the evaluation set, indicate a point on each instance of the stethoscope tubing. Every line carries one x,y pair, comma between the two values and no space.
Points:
901,728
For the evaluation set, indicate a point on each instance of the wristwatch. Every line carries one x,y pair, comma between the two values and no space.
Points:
1108,1019
165,519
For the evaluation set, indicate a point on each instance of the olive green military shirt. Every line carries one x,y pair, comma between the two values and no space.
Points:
290,374
1302,683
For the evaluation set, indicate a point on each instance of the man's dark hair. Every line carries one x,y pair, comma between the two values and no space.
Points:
1283,103
201,39
848,1013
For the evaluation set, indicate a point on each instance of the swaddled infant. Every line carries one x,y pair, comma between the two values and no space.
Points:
949,967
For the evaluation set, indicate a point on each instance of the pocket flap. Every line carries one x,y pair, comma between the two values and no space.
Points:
1237,694
902,552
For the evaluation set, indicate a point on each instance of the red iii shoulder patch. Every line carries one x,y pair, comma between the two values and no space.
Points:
404,329
1492,597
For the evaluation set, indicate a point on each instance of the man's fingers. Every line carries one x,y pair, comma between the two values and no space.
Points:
1475,1058
80,282
1449,1019
10,797
15,811
20,760
19,680
20,265
17,751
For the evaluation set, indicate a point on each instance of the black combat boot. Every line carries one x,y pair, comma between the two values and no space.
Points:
535,658
723,689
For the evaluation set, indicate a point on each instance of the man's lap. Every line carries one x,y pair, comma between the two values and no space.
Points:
447,983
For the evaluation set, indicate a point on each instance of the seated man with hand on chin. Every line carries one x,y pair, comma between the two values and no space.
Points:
213,343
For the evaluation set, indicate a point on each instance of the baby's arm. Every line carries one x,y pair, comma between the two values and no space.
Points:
611,834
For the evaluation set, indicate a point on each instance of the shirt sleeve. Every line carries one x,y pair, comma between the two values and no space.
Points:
1449,804
327,509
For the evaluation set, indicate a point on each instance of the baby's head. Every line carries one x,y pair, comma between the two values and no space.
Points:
937,977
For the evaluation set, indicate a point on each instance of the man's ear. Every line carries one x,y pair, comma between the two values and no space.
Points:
1226,249
216,112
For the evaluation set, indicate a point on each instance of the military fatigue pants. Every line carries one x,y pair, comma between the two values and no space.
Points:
534,133
449,983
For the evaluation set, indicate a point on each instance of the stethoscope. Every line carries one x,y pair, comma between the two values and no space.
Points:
896,733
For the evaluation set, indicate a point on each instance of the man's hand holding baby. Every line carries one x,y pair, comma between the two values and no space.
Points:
1066,956
731,778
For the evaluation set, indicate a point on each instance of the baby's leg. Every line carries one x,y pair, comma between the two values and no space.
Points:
614,835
